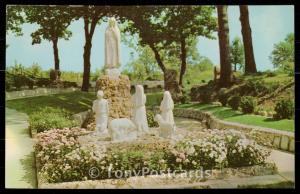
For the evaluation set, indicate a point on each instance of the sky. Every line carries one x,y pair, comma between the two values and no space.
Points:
269,24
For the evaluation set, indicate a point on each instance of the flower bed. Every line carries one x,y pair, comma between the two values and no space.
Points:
62,158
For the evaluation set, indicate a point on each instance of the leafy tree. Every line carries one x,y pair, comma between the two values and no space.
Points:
223,33
167,31
237,53
250,65
91,16
282,56
144,67
14,19
185,23
53,22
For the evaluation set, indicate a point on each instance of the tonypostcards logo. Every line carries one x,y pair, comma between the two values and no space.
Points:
200,173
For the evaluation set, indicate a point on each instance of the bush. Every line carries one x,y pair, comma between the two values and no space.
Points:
284,109
186,98
154,99
206,97
150,119
49,118
68,84
234,102
43,82
223,96
248,104
254,87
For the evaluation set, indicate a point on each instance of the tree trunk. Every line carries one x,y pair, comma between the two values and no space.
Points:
250,65
223,33
183,60
55,51
86,65
158,58
235,67
87,52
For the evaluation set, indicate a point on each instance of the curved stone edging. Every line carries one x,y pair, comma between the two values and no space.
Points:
36,92
283,140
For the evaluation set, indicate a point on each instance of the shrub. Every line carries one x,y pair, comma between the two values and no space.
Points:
49,118
186,98
284,109
223,96
248,104
68,84
154,99
206,97
254,87
43,82
244,152
19,81
150,119
234,102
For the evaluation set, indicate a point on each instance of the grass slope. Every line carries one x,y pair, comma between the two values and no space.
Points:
228,114
74,102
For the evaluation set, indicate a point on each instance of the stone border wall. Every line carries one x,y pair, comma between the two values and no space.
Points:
36,92
282,140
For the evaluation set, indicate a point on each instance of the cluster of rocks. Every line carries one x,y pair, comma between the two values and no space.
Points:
117,92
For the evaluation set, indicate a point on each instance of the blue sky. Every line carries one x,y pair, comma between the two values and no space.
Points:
270,24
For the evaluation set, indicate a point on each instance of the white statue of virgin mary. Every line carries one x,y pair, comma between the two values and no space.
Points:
112,45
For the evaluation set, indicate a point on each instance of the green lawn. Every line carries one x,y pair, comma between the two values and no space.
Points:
228,114
74,102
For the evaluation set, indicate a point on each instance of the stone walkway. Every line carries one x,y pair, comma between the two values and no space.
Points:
19,155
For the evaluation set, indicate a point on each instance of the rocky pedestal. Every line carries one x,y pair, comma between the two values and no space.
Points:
117,92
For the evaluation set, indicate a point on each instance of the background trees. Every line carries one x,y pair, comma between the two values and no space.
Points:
283,55
237,54
250,65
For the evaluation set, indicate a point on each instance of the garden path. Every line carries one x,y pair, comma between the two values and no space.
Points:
19,155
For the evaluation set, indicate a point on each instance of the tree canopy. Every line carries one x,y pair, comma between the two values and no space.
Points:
283,56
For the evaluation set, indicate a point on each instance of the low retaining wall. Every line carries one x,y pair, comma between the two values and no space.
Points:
36,92
277,139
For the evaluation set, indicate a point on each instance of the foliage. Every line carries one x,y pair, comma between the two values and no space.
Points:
14,19
154,99
223,96
248,104
244,152
234,102
150,119
49,118
237,53
284,109
282,56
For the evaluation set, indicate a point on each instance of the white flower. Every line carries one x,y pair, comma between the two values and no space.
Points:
233,151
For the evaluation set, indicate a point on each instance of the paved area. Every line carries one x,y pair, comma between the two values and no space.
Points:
19,155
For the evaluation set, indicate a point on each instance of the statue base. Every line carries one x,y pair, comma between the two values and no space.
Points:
117,92
113,73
